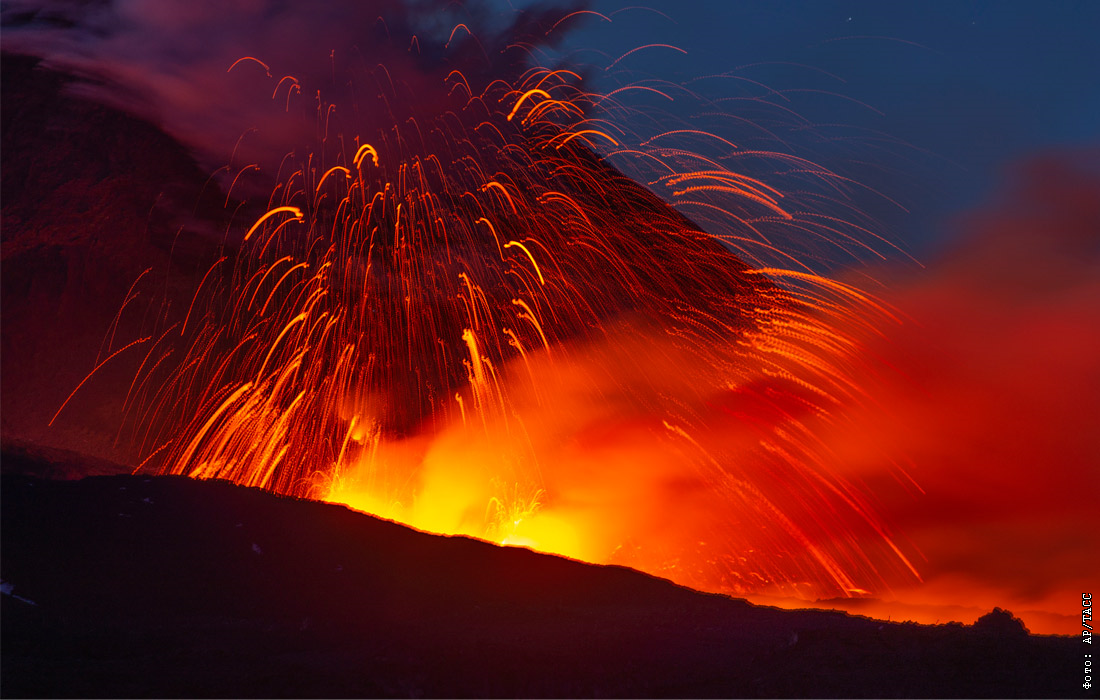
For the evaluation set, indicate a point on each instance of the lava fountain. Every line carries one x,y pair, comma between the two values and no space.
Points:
472,321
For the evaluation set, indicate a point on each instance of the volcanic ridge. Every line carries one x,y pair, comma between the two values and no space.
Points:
133,586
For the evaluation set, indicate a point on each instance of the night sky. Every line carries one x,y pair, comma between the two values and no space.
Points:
968,86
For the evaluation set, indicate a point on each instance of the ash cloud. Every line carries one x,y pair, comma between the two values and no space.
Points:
167,61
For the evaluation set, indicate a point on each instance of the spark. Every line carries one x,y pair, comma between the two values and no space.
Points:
640,389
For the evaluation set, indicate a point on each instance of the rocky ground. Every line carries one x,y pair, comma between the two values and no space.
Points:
131,586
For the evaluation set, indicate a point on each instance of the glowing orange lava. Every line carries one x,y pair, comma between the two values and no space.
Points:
474,324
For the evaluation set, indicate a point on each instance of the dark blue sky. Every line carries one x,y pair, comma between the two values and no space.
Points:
969,86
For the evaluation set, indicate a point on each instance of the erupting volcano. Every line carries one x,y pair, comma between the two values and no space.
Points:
440,272
470,322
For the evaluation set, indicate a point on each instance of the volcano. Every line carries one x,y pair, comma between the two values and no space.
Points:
110,227
425,363
139,585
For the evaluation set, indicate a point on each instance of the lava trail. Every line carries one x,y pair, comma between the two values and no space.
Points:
458,309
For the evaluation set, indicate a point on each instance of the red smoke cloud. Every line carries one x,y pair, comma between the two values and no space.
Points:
995,404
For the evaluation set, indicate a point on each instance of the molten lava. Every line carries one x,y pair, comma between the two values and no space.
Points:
472,323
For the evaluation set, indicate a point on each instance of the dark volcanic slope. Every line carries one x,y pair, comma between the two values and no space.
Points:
90,198
133,586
